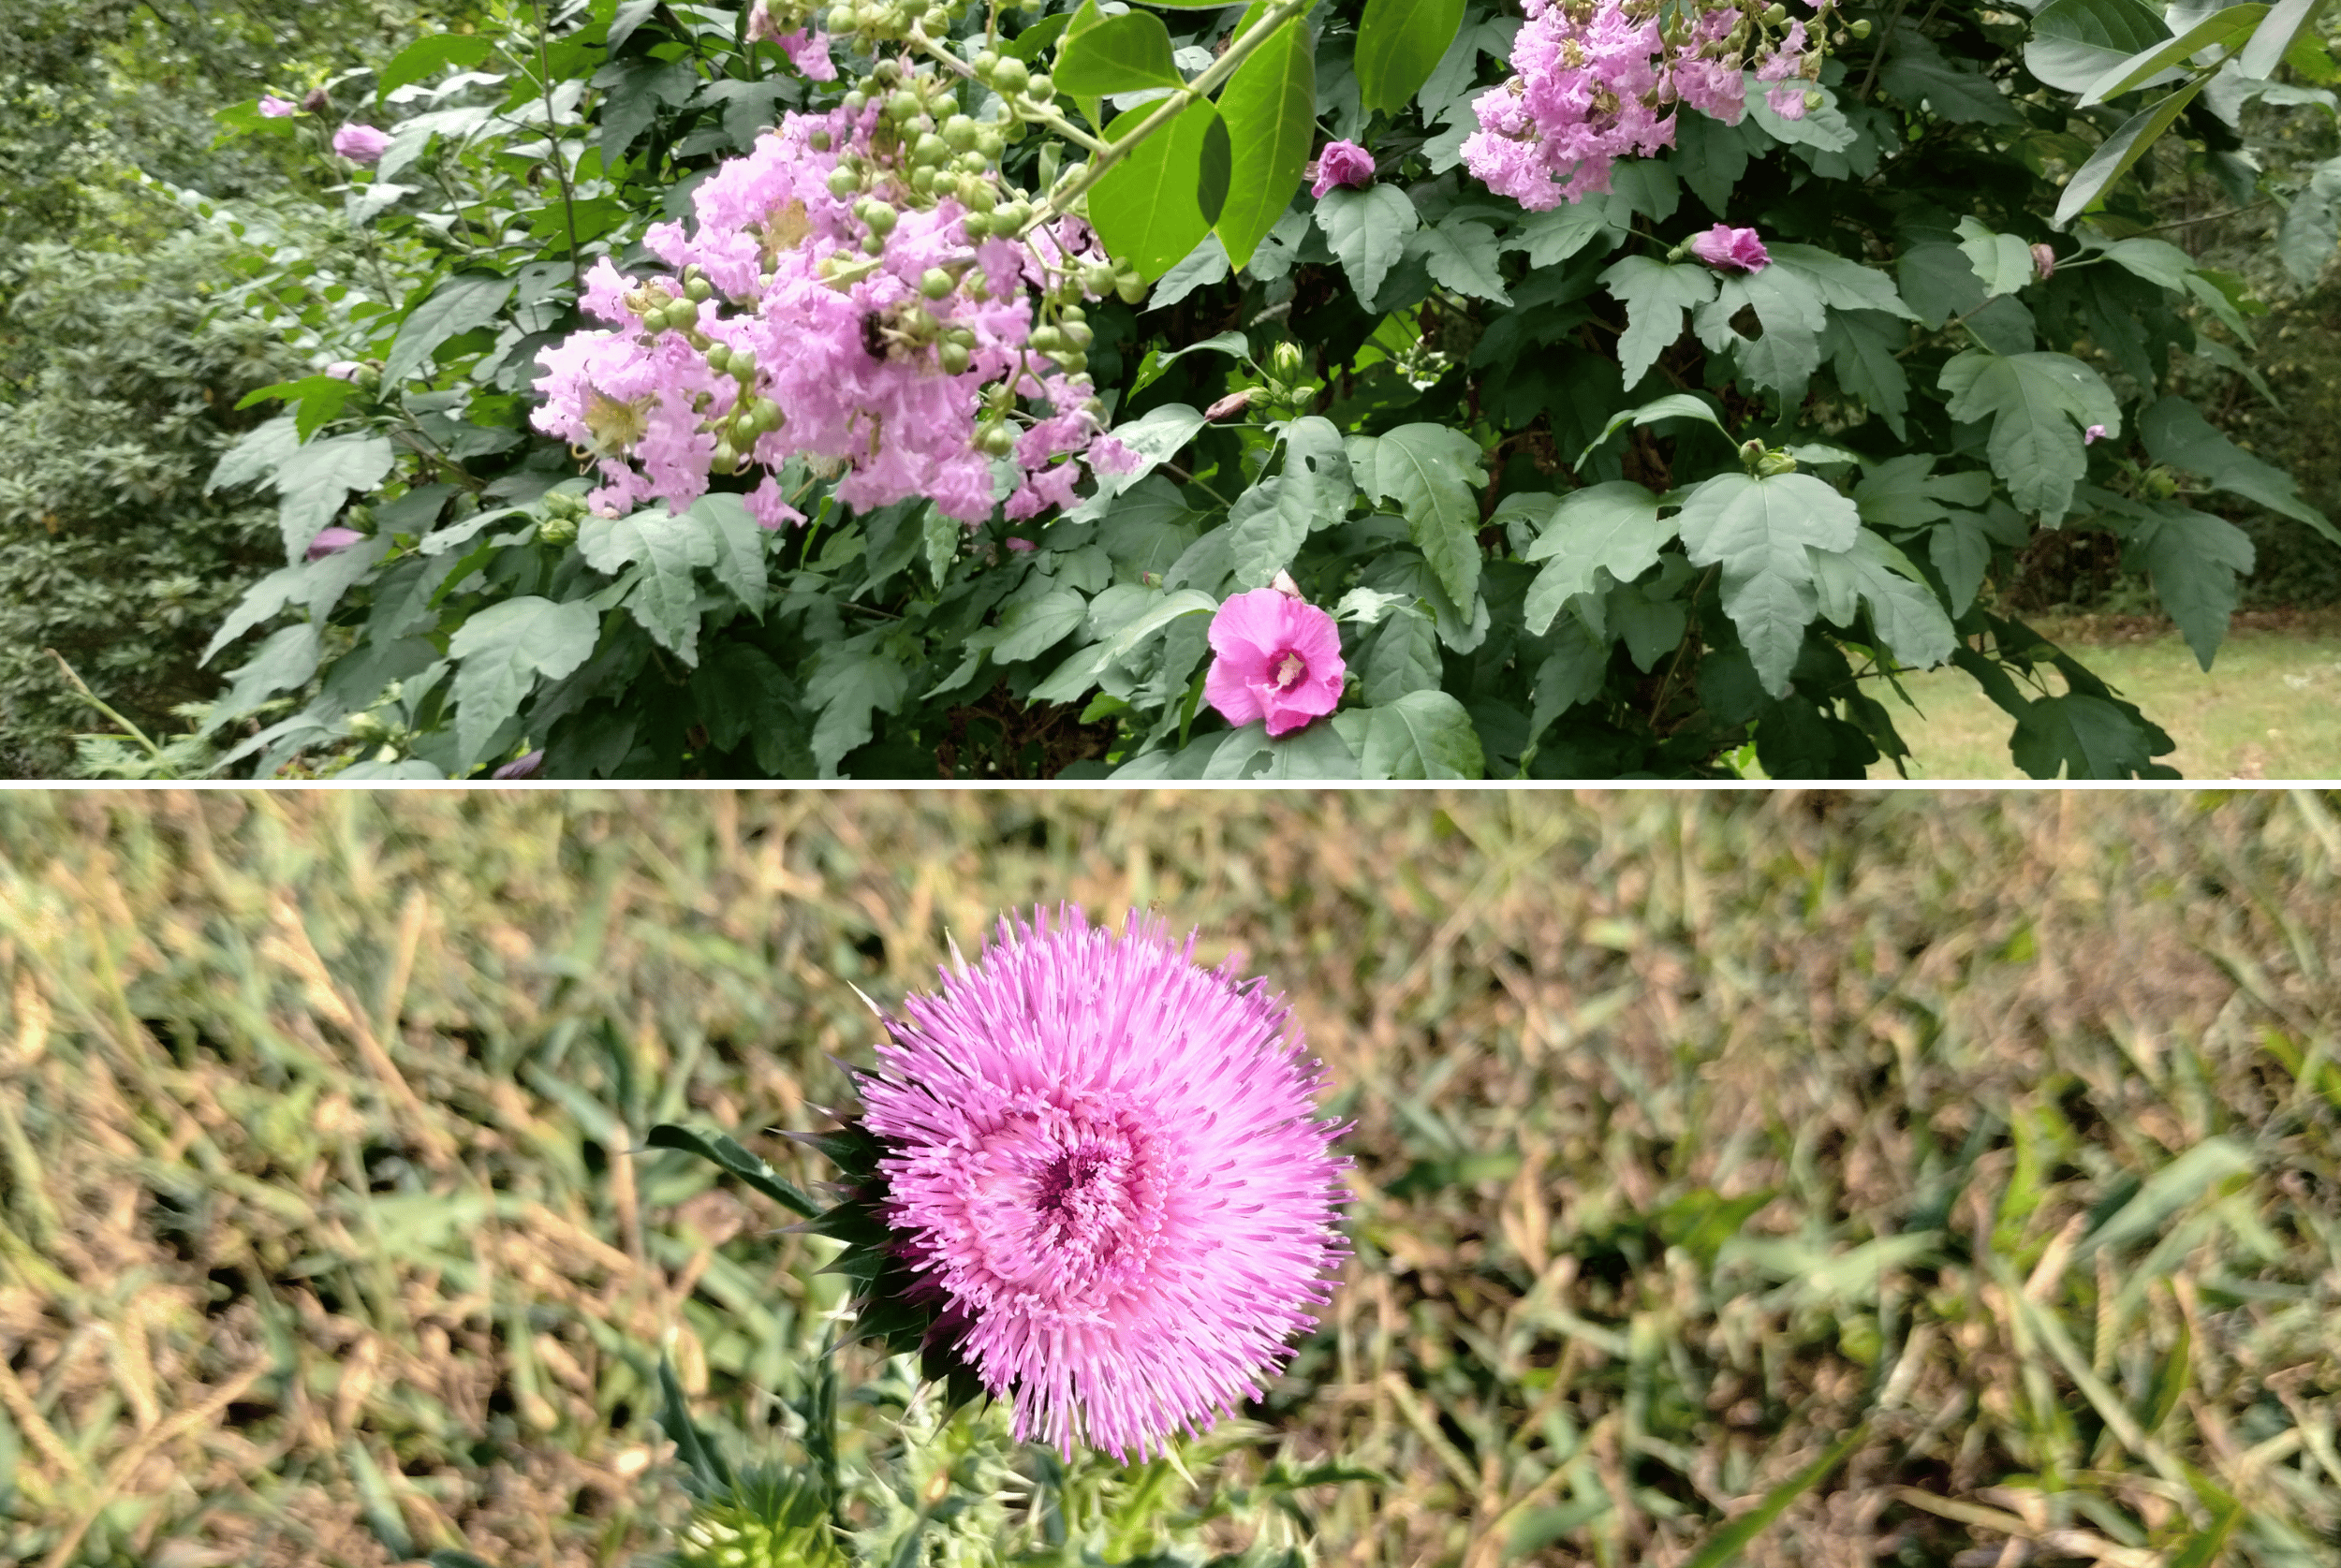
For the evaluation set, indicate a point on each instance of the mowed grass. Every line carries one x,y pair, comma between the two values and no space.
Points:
1947,1182
2269,706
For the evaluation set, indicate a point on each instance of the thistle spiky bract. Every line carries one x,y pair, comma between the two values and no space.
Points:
774,1517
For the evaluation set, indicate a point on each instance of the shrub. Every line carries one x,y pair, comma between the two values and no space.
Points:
1755,402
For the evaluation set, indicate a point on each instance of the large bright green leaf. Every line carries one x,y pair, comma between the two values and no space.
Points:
1317,488
668,549
2222,27
1399,42
1654,296
2075,42
500,653
1909,618
1423,735
2176,432
2002,262
1269,105
1367,230
1759,531
2040,406
311,483
2116,153
1148,208
429,55
1610,527
463,301
1125,54
1430,472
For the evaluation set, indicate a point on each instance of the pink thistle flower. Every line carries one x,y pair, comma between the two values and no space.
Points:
361,143
1102,1160
1736,249
1342,162
1279,659
275,107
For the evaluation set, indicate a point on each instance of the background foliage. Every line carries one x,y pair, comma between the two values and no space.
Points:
1694,1134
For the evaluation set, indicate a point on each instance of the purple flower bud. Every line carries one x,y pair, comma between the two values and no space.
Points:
344,370
317,102
522,767
275,107
2044,261
1342,162
332,541
1736,249
359,143
2094,434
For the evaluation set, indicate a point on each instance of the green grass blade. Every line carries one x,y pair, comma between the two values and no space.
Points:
1725,1545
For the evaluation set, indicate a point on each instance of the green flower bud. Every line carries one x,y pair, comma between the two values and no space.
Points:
768,414
936,21
922,180
697,289
953,358
1040,89
818,141
857,100
874,244
1046,340
1072,361
1131,288
744,364
1011,215
1097,279
978,226
972,163
1858,29
959,133
903,105
720,359
984,64
840,19
976,195
991,143
879,216
1077,334
997,440
843,182
935,284
1775,14
929,149
726,459
1011,75
1289,361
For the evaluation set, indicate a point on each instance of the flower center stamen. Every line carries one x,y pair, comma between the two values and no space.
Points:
1289,672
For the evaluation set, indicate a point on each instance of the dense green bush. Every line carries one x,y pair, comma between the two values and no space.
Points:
1580,504
109,551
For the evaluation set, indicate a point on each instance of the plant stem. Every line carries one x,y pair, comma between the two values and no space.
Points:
95,701
1045,115
553,145
1877,55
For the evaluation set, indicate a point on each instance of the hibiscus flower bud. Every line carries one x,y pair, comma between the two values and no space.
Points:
275,107
360,144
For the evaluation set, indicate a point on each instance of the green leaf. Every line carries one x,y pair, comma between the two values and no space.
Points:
1723,1548
2075,42
1034,626
428,56
501,651
1262,536
666,599
1401,657
463,301
1909,619
2175,433
1551,238
1430,471
2194,559
846,685
1317,488
1570,674
2116,153
1123,54
1956,90
2002,262
1461,255
1610,527
1842,282
1271,109
738,546
1656,296
2259,58
1367,230
1674,406
257,455
1399,42
316,401
1862,348
313,481
1147,207
729,1157
2084,738
284,659
2039,405
1759,531
635,87
1793,316
1423,735
2221,27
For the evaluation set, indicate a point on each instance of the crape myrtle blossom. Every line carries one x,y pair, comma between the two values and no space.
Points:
892,369
1596,81
1277,658
361,143
1342,162
1104,1170
777,22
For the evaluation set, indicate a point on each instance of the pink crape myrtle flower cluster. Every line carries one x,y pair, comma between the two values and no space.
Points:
878,342
1277,658
1596,81
1105,1169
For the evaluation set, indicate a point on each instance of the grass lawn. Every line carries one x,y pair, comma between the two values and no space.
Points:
2269,707
1915,1180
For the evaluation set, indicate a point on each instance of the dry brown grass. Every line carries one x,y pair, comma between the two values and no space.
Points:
315,1232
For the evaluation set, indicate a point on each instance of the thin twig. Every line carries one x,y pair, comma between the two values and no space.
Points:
95,701
552,146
